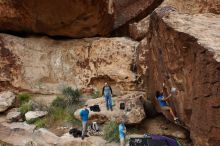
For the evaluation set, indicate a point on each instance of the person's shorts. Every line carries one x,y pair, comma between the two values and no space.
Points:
165,108
122,138
84,122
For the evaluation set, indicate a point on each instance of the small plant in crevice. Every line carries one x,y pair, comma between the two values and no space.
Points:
72,95
23,98
111,133
60,115
32,121
56,114
59,102
40,123
25,107
61,110
72,108
71,119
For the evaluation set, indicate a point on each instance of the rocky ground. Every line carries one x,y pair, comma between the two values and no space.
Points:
134,111
134,45
160,125
11,129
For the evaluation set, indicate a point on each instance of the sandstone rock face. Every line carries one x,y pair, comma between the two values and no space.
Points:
134,111
195,6
184,52
43,65
139,30
31,115
16,133
78,18
21,134
125,10
7,98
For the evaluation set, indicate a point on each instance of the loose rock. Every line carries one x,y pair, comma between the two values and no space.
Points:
32,115
7,98
13,115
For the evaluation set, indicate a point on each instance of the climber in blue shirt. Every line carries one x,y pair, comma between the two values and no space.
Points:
122,132
107,93
163,103
84,115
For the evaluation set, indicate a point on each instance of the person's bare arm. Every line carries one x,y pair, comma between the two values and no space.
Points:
168,97
125,130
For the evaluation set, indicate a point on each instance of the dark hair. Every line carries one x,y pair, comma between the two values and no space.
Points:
158,94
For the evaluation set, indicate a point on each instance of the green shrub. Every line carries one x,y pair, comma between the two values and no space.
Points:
40,123
62,109
59,102
111,133
96,94
57,113
25,107
61,115
31,121
70,116
71,109
23,97
72,95
71,119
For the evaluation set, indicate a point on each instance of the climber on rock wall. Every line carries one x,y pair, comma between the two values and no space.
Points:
163,103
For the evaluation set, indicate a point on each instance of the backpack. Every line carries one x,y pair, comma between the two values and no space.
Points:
75,132
122,106
95,126
95,108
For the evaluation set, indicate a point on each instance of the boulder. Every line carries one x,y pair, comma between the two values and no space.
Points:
134,110
138,30
21,134
79,63
76,19
194,6
160,126
7,98
44,137
32,115
68,139
16,133
13,115
184,53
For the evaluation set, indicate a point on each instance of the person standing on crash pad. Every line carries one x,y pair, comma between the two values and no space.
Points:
107,93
